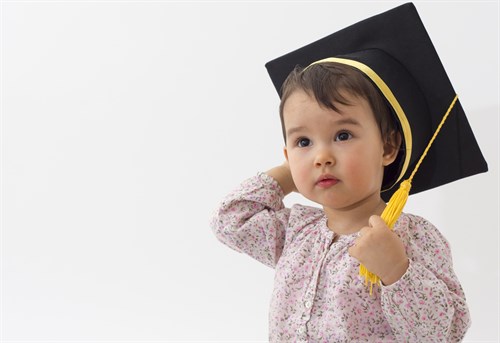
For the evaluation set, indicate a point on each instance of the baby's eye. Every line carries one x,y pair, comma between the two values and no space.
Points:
303,142
343,136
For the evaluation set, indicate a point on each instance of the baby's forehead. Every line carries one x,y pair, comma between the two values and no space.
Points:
323,99
306,113
306,103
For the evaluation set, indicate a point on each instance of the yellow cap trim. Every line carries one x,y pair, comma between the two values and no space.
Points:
386,91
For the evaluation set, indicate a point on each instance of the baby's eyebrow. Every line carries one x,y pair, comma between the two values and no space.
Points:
294,129
346,121
342,121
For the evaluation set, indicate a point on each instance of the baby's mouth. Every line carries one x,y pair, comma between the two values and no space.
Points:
326,181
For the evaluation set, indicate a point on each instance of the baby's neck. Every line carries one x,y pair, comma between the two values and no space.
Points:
346,222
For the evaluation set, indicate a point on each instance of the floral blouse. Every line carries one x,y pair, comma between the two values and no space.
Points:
318,294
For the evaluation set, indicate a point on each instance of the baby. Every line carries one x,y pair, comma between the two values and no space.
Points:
354,125
339,139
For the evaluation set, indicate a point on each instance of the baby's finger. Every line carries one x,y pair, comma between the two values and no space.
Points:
356,241
364,230
376,222
353,251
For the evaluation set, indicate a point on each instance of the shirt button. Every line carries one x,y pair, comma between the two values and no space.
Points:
301,330
308,304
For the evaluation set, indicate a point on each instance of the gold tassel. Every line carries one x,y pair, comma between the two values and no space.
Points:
390,215
396,204
398,200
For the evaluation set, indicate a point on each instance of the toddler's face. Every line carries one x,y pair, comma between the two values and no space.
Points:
336,159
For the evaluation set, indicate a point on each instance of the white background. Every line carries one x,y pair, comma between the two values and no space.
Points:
124,123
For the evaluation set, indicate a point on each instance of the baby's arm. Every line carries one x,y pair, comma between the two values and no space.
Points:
252,219
427,304
283,176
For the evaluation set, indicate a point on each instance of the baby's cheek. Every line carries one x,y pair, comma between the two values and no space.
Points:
362,167
353,169
299,177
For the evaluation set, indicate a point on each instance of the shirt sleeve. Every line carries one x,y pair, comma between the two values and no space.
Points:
427,304
253,219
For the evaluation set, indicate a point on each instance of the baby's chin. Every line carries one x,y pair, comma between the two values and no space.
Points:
324,203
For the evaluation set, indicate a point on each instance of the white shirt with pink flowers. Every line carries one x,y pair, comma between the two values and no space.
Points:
318,294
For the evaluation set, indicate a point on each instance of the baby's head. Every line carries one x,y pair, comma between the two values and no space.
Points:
332,84
393,52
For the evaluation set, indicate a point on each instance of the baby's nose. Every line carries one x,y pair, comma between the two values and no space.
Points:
324,158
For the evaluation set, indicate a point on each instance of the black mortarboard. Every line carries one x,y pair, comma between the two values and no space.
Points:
394,50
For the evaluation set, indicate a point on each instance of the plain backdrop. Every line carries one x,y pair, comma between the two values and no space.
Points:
123,125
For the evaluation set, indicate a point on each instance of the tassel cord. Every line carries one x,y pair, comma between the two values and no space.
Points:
398,200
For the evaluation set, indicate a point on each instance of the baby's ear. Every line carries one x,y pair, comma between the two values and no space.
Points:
391,147
285,152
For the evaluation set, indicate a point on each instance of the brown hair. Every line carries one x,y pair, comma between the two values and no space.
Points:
326,82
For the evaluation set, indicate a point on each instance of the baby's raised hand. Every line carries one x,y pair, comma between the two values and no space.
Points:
381,251
283,175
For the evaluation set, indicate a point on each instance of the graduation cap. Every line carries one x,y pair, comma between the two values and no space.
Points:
395,52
